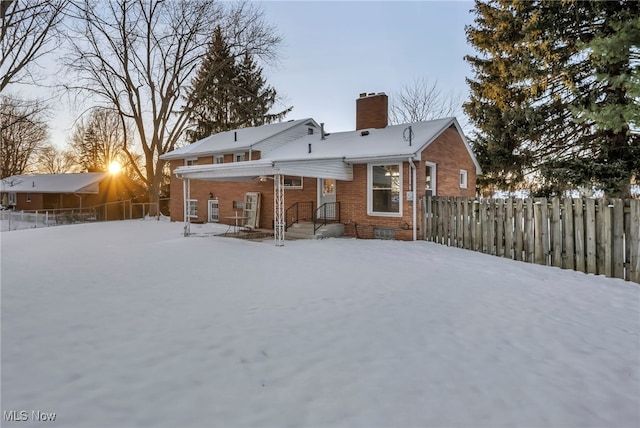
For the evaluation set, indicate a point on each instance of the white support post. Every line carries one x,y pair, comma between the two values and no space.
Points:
278,209
186,191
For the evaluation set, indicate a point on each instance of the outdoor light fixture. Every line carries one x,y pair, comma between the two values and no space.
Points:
210,195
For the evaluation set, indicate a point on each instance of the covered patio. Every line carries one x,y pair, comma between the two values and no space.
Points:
262,170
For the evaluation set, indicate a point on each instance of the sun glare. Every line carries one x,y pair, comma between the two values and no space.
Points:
114,167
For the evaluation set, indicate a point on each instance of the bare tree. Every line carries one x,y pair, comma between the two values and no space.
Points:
138,57
29,30
422,100
98,140
53,160
23,131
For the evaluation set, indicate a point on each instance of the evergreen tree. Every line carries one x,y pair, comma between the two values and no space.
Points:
537,82
255,99
229,92
213,91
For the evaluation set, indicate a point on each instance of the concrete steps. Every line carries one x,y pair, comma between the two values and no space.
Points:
304,230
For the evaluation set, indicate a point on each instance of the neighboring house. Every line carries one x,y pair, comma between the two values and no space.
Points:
370,179
39,192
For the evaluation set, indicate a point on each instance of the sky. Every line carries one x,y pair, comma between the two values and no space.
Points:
333,51
128,323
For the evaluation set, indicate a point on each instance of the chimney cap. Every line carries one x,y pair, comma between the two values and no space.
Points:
363,94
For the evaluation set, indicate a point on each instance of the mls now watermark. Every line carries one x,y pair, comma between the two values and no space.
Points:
23,415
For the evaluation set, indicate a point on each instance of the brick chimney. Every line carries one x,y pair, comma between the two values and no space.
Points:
372,111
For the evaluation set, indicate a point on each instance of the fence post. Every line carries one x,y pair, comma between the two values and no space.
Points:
578,227
606,237
519,229
633,271
508,229
618,238
568,249
556,237
500,228
590,234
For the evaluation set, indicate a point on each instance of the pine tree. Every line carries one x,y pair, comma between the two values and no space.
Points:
213,91
535,88
255,98
229,92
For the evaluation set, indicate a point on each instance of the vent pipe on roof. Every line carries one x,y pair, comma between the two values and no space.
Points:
235,135
309,147
322,134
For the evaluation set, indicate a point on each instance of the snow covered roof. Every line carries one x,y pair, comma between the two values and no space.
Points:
238,139
54,183
369,144
310,155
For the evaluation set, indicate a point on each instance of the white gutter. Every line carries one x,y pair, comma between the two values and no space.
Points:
415,196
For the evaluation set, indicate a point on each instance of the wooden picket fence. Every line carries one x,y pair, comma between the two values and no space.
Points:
599,236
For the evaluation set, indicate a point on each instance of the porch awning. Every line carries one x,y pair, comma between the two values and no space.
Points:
320,168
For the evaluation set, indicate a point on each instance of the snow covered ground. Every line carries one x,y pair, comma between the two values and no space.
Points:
129,324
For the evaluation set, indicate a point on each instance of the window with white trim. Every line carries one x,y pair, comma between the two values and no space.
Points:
189,162
430,178
28,197
463,178
13,198
292,182
238,157
219,159
192,208
384,190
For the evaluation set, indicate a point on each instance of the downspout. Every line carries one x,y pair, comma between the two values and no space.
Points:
413,188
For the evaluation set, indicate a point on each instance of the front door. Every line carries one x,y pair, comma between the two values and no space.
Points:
327,195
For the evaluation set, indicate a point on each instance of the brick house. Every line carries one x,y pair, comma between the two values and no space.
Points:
369,180
40,192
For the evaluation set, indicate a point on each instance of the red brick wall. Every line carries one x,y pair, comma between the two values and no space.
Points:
450,155
372,111
228,191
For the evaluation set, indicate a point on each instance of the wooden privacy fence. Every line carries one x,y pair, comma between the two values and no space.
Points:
599,236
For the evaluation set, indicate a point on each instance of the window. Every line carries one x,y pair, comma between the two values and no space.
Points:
463,178
309,131
430,178
292,182
238,157
190,162
192,208
384,190
12,198
238,205
219,159
28,197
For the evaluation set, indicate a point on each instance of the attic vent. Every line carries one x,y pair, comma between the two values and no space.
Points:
364,133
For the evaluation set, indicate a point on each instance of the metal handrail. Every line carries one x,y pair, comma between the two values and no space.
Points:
292,214
319,221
